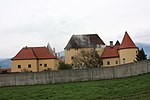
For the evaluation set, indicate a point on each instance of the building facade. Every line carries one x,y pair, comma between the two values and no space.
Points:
82,42
111,55
34,59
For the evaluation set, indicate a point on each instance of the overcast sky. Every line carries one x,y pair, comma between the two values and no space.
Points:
37,22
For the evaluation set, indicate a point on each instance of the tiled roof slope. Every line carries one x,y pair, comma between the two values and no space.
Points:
84,41
127,42
33,53
111,52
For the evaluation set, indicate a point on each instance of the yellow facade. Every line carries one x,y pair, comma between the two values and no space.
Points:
69,53
51,64
34,65
125,56
128,55
110,62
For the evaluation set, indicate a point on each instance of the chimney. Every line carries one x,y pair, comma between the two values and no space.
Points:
58,54
54,50
55,54
111,44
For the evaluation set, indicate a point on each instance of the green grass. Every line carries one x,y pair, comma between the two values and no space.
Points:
132,88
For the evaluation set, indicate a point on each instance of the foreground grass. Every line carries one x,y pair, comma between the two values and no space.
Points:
133,88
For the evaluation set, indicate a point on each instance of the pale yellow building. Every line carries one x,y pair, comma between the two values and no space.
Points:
34,59
120,53
82,42
111,55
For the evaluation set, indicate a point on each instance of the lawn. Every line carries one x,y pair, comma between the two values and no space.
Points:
132,88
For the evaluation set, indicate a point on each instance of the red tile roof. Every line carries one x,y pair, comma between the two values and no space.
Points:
33,53
127,42
111,52
5,69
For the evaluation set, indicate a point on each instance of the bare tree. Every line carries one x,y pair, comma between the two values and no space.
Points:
86,59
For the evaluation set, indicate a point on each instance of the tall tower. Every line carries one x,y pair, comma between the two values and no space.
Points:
127,50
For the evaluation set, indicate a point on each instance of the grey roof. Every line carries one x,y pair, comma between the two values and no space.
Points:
84,41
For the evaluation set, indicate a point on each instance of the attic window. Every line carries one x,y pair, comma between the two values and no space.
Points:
76,49
68,49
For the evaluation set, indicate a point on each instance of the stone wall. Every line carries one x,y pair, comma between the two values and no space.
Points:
62,76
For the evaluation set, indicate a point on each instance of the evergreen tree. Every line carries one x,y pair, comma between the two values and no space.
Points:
141,55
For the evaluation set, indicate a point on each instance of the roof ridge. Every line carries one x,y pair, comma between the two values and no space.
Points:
34,53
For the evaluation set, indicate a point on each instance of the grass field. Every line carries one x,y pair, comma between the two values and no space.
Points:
133,88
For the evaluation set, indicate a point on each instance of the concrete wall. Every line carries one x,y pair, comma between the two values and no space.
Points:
62,76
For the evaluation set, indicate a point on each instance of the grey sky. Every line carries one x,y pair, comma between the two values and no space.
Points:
37,22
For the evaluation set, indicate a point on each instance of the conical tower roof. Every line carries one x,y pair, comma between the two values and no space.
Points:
127,42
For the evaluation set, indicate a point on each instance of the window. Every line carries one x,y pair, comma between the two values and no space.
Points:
108,62
136,52
40,64
68,49
45,65
29,65
124,60
19,66
72,57
116,61
76,49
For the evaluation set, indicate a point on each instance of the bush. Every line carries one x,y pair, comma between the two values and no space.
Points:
63,66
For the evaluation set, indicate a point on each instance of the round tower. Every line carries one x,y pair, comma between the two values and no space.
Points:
127,50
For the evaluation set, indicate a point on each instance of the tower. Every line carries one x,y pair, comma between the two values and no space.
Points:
127,50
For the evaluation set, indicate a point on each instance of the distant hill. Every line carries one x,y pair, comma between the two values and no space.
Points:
5,63
146,48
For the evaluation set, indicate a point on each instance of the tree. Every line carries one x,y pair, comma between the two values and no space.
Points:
63,66
86,59
141,55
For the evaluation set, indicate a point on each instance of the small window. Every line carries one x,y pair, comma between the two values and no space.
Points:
19,66
116,61
136,52
108,62
72,57
68,49
45,65
124,60
29,65
40,64
76,49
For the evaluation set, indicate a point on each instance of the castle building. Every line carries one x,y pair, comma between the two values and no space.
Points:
111,55
34,59
82,42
